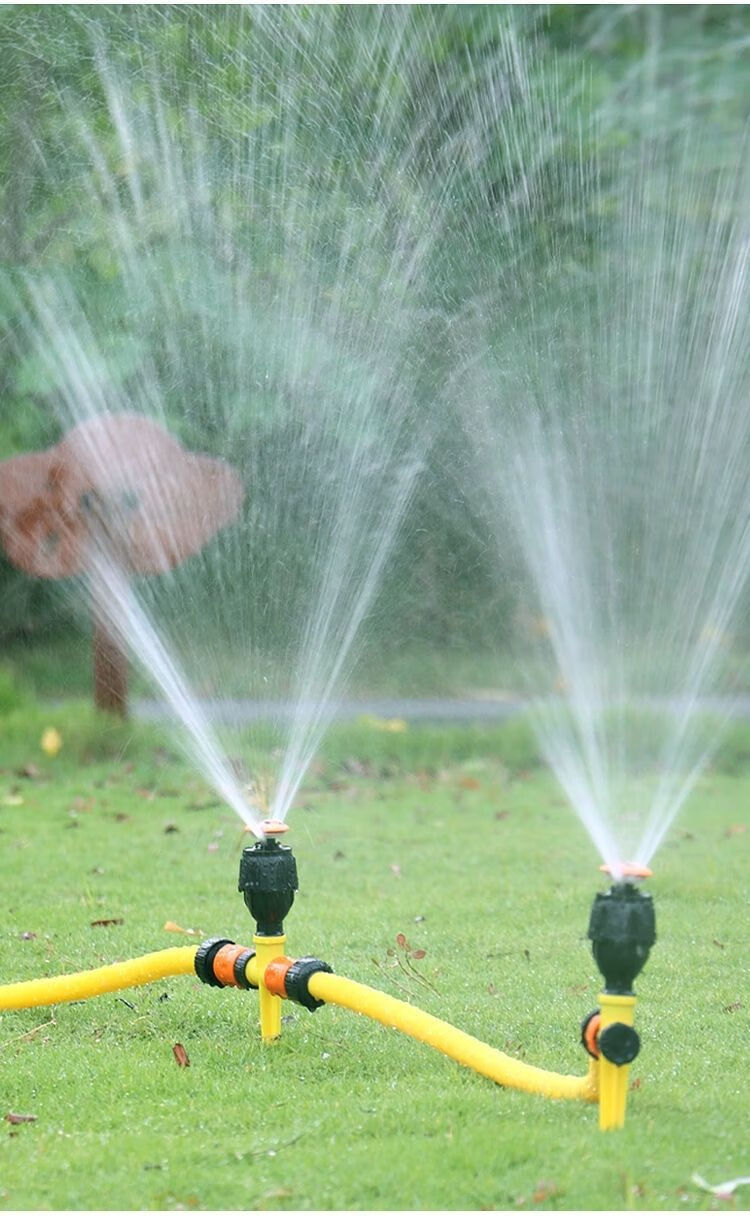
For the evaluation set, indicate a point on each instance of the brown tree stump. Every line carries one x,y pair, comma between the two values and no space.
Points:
110,672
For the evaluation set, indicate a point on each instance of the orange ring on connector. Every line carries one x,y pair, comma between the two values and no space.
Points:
223,963
591,1032
274,977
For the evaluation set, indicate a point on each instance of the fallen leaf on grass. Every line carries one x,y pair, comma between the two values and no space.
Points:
718,943
469,782
175,927
180,1054
18,1119
545,1190
272,1195
383,725
416,953
107,922
732,830
724,1190
51,742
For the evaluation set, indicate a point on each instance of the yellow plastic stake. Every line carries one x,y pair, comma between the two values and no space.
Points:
267,949
613,1081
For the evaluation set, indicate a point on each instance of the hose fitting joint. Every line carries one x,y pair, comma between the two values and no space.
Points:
221,962
619,1043
297,978
204,959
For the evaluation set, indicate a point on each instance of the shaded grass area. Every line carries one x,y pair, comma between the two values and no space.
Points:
479,863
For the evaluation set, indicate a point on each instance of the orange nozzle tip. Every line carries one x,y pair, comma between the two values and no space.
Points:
637,870
273,827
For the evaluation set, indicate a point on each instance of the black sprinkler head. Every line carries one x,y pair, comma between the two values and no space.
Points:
268,882
622,931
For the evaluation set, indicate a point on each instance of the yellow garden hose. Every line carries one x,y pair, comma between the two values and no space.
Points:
463,1048
324,987
43,991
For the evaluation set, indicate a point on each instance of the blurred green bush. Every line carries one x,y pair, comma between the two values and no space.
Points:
689,60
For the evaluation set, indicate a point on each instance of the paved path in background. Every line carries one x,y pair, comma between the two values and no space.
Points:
249,711
427,710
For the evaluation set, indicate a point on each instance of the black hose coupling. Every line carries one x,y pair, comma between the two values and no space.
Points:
297,978
622,930
239,969
268,882
619,1043
204,959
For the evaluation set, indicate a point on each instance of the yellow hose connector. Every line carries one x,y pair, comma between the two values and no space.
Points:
41,992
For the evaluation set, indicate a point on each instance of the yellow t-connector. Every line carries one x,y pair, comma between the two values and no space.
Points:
267,948
613,1080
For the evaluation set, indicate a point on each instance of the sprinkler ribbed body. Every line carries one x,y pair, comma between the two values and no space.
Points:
268,882
622,930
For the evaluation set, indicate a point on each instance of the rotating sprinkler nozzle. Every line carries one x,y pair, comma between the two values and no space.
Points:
622,931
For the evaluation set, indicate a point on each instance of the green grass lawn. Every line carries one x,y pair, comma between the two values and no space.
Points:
476,861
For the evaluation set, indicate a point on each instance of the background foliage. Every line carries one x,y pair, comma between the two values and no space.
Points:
631,69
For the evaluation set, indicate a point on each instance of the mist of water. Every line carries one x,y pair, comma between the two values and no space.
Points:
262,255
609,414
305,242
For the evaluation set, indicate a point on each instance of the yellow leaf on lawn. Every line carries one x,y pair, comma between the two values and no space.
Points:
381,725
51,742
